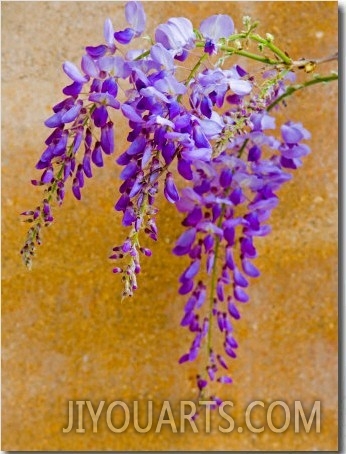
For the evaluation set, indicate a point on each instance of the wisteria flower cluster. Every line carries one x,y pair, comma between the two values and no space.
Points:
208,141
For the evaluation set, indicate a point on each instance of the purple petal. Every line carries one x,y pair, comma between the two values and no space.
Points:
129,171
162,56
193,217
187,319
192,270
100,116
135,16
73,72
184,168
110,86
189,306
216,27
107,138
54,121
125,36
176,34
229,258
86,165
249,268
115,65
76,189
291,134
231,342
77,139
262,121
71,114
122,203
247,247
219,291
254,154
222,361
185,242
240,87
233,311
225,379
210,261
170,189
201,383
96,51
200,138
295,151
105,98
239,279
137,146
108,32
186,287
226,178
74,89
130,113
47,175
129,217
229,235
240,295
184,358
236,196
192,154
89,66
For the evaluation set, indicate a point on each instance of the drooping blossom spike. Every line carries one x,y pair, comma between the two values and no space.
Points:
212,127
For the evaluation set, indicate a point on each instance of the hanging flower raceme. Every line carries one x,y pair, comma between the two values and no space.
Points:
205,140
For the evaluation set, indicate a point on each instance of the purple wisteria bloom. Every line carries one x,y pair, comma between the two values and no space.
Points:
213,29
176,35
136,18
202,137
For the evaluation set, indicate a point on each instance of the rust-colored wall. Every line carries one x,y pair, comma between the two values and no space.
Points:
65,333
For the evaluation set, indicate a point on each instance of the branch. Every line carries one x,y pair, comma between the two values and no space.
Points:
293,88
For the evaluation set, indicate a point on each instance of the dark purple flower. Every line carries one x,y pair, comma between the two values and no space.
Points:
107,138
96,155
96,51
124,36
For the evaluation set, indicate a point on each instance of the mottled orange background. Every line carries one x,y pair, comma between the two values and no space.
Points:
65,334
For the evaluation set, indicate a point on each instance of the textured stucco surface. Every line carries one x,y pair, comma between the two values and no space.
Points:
65,334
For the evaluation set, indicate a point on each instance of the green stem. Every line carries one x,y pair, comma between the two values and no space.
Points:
282,56
193,72
293,88
245,53
143,55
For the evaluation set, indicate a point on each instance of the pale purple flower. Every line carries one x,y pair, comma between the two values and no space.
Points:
176,35
73,73
214,28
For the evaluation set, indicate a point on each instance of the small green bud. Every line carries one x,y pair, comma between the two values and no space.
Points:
270,37
238,44
246,20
